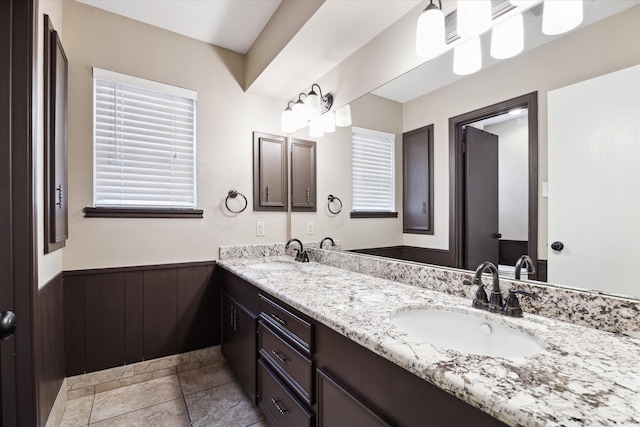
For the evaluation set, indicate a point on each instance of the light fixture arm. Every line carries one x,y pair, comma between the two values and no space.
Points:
326,101
431,5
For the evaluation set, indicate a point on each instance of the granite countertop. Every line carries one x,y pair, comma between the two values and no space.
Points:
585,377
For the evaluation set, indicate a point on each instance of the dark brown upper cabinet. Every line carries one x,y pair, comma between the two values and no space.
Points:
417,179
303,175
269,172
55,134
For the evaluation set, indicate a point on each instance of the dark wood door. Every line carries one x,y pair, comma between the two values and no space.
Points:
17,226
240,343
481,197
417,181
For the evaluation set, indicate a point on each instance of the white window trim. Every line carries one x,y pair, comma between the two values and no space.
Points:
381,136
158,87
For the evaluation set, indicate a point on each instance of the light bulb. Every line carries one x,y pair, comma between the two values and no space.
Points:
474,17
288,123
315,128
299,114
312,105
343,116
507,38
329,122
430,32
525,3
467,57
560,16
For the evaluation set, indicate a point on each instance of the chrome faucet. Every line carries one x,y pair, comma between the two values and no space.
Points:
301,255
495,303
329,239
524,261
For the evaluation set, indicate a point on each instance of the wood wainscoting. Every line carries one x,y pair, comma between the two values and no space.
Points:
119,316
49,346
410,253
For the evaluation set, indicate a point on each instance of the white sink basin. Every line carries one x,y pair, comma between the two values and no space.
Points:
466,331
274,266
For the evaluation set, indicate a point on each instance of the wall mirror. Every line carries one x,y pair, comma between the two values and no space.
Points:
586,53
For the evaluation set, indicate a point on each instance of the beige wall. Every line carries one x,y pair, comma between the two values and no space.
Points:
601,48
226,117
50,264
334,177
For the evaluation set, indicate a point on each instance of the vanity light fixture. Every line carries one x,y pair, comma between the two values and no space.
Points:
314,111
507,38
467,57
560,16
430,34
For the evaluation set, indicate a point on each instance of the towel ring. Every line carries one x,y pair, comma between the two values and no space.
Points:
331,199
233,194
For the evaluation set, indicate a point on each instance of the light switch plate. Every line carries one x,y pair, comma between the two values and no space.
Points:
260,229
545,189
309,227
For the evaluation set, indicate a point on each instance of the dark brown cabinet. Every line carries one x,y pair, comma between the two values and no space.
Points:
55,134
307,371
239,342
338,407
417,188
269,172
303,175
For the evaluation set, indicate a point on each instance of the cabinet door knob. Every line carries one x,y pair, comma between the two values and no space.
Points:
8,324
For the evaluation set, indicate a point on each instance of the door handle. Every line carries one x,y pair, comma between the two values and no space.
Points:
497,235
8,324
557,246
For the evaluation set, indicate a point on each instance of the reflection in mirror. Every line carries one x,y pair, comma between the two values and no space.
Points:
581,55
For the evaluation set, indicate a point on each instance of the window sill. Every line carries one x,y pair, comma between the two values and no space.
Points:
91,212
374,214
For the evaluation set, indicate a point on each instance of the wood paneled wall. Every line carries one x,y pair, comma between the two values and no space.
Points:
49,346
120,316
410,253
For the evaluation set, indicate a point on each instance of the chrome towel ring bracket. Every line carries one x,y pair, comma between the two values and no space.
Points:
232,195
332,199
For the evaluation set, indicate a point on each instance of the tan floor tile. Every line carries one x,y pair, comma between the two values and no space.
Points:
161,363
93,378
204,378
227,405
210,353
135,379
81,392
167,414
137,396
77,412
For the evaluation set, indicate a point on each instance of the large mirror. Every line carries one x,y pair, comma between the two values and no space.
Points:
431,94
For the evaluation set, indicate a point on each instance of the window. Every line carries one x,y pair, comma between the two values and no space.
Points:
144,146
372,171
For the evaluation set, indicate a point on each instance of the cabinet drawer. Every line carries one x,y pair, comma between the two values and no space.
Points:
295,367
300,331
278,404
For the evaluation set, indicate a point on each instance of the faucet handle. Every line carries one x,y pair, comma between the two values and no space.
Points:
481,300
512,304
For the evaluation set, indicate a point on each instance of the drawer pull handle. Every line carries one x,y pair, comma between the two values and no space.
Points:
278,319
279,357
280,408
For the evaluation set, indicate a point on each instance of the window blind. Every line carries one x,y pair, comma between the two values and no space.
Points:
144,146
372,170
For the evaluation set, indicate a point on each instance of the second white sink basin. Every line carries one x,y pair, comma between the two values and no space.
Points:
274,266
466,331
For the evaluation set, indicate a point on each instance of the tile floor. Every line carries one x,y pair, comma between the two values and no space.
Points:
207,395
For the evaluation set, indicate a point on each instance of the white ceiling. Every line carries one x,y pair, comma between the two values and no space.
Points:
232,24
337,30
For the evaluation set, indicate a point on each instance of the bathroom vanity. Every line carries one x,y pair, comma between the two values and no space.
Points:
314,345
